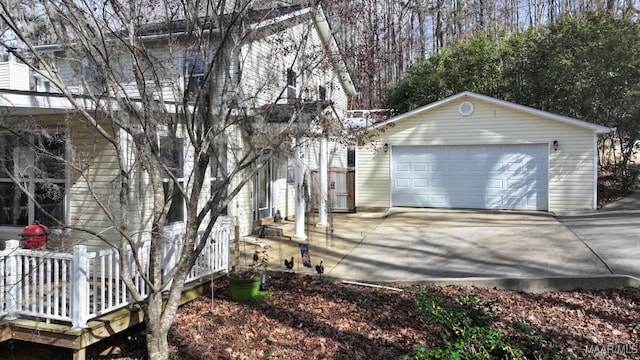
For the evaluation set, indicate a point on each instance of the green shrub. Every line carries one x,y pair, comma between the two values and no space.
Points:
469,331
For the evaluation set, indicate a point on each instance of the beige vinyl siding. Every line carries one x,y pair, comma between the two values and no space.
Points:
373,183
286,198
240,208
571,168
100,180
166,61
336,154
265,62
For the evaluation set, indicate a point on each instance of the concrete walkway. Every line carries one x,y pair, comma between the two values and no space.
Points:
422,245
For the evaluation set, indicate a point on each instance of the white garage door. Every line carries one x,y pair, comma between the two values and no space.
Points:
470,176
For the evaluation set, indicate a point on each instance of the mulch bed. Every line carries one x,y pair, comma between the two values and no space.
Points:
307,318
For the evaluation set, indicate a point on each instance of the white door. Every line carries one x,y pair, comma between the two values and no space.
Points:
470,176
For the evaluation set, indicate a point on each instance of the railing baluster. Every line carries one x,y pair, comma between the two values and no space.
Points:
55,286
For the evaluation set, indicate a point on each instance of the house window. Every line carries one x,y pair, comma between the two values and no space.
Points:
218,169
194,72
322,93
37,162
172,154
292,89
94,74
351,158
262,182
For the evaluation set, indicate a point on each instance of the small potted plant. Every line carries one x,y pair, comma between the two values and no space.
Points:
245,284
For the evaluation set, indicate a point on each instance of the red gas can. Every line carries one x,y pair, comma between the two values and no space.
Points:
35,236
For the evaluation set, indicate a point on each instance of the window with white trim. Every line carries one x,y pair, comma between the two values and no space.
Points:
172,153
217,169
194,72
292,87
38,164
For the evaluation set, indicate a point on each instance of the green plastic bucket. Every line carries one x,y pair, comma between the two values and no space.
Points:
244,289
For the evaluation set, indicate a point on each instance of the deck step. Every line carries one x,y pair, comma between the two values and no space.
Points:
282,230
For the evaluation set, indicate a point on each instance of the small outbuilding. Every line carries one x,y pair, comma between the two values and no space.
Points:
478,152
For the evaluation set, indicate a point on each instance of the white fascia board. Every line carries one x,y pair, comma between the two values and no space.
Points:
44,103
277,19
34,101
338,63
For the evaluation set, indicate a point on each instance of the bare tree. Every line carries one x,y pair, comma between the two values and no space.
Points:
150,84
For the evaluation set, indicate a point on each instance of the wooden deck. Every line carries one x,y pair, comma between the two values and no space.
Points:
78,340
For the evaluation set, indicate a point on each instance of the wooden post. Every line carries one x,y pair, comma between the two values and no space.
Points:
80,354
80,287
13,277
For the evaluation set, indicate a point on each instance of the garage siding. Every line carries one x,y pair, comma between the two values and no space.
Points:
571,168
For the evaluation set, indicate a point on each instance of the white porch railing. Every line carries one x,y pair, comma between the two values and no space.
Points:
78,287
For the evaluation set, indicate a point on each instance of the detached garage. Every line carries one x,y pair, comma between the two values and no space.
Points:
478,152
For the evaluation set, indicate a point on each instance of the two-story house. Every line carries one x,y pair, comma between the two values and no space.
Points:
285,67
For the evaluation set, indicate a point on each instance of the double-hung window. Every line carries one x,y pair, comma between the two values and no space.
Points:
37,163
172,154
194,72
292,87
218,169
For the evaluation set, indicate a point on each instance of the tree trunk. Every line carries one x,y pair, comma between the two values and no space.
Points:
157,335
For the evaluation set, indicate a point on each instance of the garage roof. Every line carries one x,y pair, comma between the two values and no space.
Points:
468,94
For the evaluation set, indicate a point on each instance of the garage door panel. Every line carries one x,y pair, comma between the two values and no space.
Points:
456,166
487,176
403,166
475,166
421,183
438,183
438,167
419,167
438,200
403,183
473,183
494,184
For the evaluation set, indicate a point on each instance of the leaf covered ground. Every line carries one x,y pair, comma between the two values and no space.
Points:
309,318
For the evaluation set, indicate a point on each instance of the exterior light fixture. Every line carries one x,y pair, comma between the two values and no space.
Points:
386,147
555,145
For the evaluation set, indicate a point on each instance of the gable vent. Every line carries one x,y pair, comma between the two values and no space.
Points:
465,108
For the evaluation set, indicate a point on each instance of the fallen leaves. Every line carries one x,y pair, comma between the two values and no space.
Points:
313,319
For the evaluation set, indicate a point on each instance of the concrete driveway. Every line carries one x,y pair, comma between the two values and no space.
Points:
417,244
613,233
443,246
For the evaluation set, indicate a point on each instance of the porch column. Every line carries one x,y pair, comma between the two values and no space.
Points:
300,201
322,203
